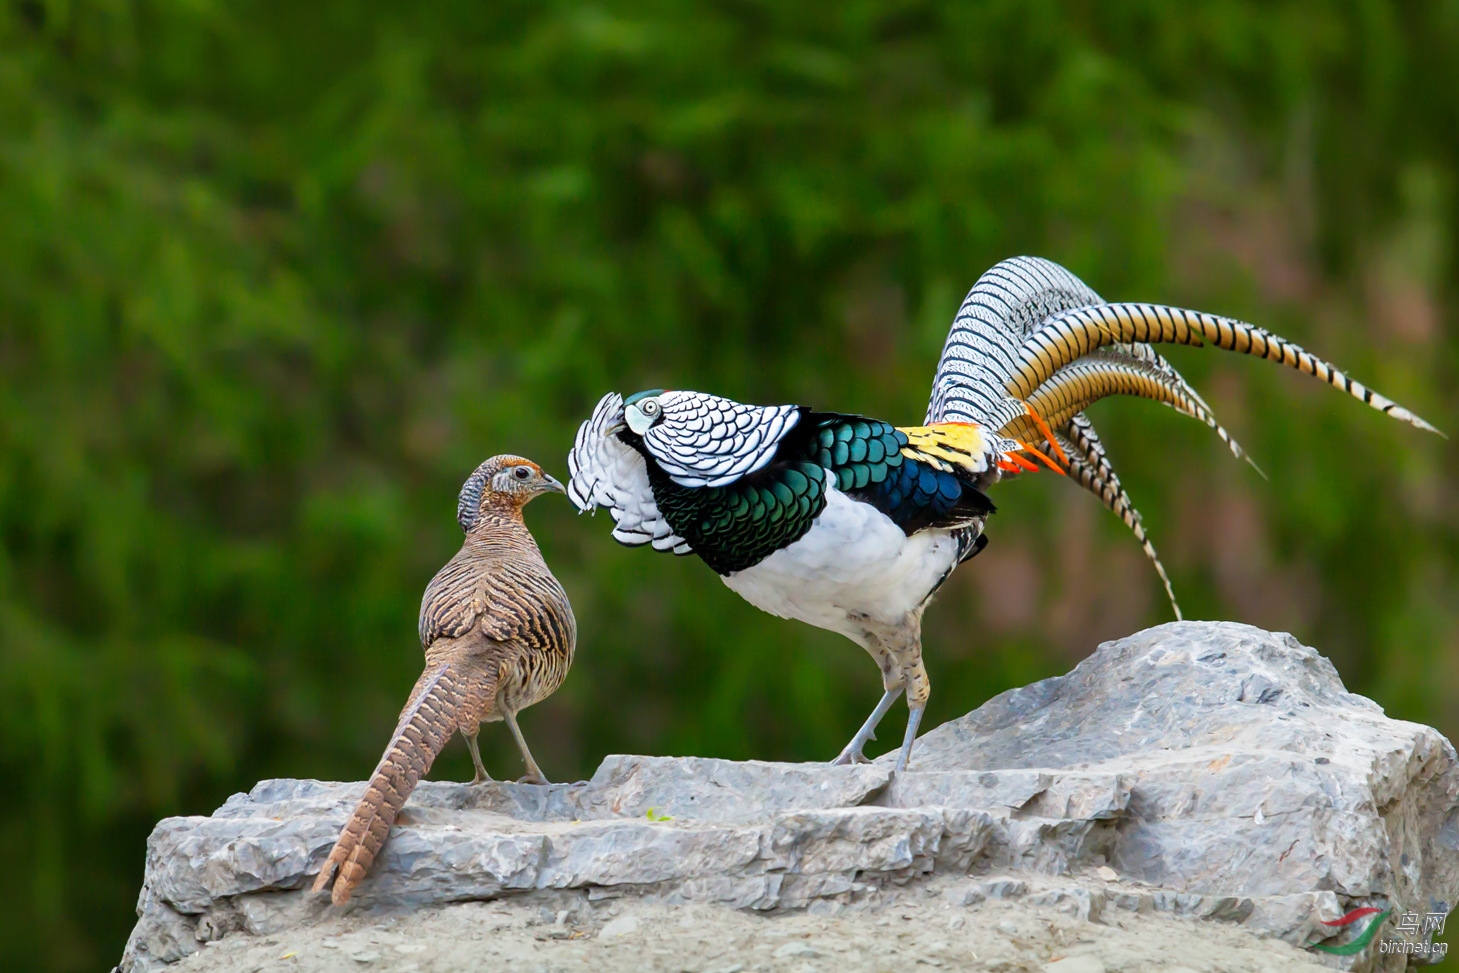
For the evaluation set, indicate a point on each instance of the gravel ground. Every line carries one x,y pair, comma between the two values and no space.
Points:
570,934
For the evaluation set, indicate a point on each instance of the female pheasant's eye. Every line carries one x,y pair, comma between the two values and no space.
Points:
522,473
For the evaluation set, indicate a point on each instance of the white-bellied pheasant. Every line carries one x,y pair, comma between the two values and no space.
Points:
499,635
851,523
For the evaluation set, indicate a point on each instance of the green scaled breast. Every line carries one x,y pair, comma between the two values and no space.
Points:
736,526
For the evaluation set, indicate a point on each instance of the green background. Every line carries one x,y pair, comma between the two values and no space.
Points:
274,277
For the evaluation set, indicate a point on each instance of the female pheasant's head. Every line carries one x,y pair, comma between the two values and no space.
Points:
643,410
504,483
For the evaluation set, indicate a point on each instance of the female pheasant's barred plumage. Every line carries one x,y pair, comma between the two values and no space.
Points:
850,523
498,634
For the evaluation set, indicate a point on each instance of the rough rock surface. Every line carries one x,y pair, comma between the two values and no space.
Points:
1200,770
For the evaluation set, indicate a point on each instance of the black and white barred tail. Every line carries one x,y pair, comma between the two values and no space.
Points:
1074,388
1073,334
980,358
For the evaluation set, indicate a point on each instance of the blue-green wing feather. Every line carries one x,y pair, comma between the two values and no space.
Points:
865,457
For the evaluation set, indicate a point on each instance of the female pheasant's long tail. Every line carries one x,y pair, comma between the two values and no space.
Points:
446,697
1071,335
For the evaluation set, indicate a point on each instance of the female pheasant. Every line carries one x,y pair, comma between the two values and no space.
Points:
498,634
851,523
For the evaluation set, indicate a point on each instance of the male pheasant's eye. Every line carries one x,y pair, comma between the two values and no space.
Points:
522,473
649,408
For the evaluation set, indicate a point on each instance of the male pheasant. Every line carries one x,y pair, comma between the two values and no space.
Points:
498,634
851,523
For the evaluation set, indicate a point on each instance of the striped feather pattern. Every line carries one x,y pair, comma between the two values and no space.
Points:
1078,332
607,472
981,355
710,441
1074,388
499,585
981,358
434,712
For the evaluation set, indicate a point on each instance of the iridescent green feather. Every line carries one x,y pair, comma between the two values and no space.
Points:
732,527
858,451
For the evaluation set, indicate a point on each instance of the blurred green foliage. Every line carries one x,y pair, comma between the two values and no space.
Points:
275,277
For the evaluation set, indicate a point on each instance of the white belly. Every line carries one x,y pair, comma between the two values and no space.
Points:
852,562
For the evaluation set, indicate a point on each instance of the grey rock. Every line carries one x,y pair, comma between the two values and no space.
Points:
1223,772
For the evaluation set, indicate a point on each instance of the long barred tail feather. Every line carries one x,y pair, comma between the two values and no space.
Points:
441,697
980,357
1091,469
1073,334
1073,388
1033,341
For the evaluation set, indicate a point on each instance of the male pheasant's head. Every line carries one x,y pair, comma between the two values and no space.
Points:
643,410
504,483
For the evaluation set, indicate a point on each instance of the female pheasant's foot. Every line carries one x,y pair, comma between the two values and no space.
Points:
852,754
482,777
534,773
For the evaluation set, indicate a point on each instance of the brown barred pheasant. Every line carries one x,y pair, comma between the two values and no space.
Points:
498,634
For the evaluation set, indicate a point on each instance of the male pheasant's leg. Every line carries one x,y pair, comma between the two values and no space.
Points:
534,773
852,753
919,687
482,777
914,717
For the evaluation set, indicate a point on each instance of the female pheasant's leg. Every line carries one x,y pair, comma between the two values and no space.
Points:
534,773
852,754
482,777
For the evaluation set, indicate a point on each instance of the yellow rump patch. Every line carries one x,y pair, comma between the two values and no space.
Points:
948,446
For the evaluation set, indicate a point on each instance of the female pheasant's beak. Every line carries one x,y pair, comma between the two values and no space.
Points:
551,484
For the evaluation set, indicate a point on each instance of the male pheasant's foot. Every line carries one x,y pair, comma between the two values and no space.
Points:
852,754
850,757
